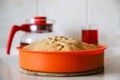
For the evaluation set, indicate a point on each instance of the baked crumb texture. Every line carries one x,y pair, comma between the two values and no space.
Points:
59,43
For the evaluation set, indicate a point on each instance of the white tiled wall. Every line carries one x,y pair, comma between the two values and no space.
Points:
69,16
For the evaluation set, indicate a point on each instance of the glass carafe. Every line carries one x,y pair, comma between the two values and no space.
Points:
35,29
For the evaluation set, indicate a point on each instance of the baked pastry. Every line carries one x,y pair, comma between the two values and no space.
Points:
59,43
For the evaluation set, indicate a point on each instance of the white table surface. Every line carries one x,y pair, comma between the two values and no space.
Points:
9,68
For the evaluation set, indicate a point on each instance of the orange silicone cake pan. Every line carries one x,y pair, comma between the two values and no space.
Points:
74,61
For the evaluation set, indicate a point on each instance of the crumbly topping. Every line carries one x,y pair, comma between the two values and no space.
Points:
59,43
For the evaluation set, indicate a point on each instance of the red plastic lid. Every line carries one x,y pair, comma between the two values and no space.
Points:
39,17
40,20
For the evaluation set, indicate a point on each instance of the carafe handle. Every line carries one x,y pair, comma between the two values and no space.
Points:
15,28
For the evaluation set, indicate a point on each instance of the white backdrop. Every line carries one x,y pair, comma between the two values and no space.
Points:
69,16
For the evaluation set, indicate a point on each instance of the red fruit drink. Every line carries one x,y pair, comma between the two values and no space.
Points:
90,36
